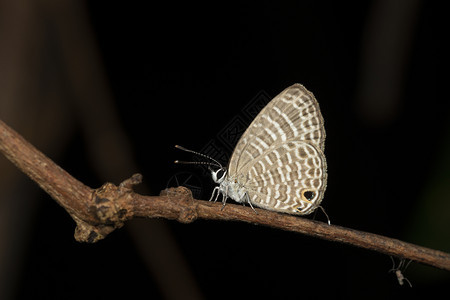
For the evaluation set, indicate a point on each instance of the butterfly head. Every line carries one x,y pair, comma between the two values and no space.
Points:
219,175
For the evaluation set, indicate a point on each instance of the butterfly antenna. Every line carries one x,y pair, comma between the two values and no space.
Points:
207,163
217,164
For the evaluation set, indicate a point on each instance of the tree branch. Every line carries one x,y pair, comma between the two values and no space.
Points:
98,212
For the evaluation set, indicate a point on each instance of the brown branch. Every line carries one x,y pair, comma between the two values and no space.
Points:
98,212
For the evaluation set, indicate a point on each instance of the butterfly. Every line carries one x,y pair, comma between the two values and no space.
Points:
278,163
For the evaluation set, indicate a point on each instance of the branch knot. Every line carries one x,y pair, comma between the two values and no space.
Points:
188,207
105,204
112,206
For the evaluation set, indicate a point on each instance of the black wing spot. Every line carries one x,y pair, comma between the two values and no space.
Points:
309,195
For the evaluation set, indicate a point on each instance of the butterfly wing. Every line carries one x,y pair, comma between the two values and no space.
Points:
292,115
291,178
288,134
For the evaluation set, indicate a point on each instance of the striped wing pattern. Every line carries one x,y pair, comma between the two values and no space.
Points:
279,159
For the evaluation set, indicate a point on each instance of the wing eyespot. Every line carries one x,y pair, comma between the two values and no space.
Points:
308,195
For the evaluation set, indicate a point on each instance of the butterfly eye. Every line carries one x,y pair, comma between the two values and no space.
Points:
308,195
220,173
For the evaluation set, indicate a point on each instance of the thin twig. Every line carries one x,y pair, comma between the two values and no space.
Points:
98,212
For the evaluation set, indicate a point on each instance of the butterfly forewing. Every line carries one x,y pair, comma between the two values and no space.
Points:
279,159
292,115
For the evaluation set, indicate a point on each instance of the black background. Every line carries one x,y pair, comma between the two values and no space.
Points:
180,73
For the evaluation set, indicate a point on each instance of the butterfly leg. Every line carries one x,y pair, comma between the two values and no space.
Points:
326,215
224,198
212,195
247,198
